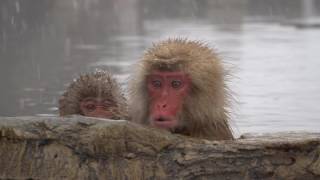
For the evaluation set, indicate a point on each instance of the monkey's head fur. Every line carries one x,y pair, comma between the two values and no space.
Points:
204,113
97,84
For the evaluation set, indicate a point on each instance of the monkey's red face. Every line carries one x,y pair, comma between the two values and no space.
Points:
96,107
167,91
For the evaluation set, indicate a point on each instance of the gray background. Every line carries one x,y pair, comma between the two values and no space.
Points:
44,44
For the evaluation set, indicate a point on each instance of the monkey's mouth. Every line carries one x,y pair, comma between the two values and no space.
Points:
165,122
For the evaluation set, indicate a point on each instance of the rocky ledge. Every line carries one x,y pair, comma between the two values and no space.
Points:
91,148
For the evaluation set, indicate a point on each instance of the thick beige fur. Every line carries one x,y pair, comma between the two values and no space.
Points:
97,84
204,113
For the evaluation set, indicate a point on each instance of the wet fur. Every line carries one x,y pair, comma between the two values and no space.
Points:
96,84
204,113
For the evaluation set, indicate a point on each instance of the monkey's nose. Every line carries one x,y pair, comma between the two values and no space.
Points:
162,106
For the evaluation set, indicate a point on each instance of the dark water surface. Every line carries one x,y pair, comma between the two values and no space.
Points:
44,44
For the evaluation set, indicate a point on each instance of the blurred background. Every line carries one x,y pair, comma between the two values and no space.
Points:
272,47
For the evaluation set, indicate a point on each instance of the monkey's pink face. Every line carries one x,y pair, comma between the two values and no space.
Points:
96,107
167,91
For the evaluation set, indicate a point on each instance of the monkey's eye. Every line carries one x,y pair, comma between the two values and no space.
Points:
176,84
90,106
108,103
156,83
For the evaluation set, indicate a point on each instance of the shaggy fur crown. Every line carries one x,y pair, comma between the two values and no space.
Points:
205,113
97,84
191,57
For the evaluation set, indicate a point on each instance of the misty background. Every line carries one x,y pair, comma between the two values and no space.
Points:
272,47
